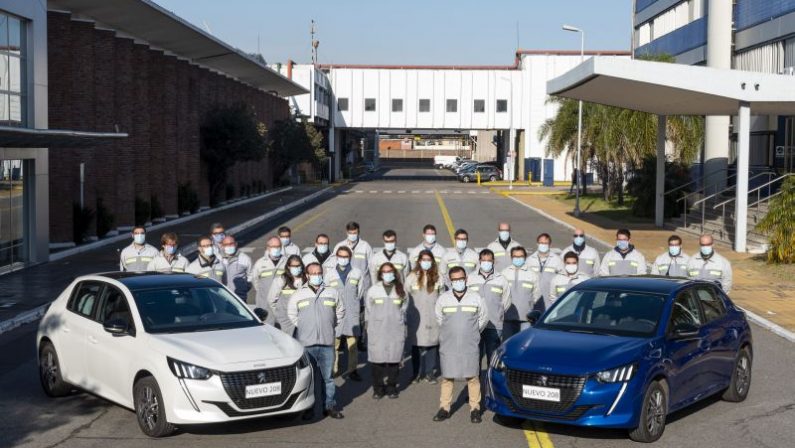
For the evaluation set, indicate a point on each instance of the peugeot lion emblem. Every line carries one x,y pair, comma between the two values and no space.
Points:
262,378
543,380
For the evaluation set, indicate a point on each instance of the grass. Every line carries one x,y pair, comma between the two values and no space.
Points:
596,205
758,263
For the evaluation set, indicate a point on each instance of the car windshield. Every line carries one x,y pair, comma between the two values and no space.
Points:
188,309
617,313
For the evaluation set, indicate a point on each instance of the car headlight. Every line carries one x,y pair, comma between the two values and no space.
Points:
497,364
184,370
304,361
617,375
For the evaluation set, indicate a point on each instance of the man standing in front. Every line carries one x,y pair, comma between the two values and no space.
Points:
315,311
711,266
588,256
137,255
673,262
462,316
624,259
502,247
238,267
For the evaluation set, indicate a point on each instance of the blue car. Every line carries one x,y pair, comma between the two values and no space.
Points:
623,352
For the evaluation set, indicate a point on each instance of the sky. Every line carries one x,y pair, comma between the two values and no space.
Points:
409,31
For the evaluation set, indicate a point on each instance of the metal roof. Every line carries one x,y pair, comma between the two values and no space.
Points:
13,137
149,22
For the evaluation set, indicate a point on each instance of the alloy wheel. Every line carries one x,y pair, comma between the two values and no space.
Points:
148,408
655,413
743,375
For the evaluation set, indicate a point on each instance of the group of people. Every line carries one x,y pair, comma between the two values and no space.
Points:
451,306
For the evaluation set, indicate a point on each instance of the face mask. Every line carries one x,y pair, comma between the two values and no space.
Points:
570,268
285,241
389,247
459,285
139,238
430,238
322,248
170,250
504,235
706,250
622,244
208,252
543,248
230,250
461,244
316,280
579,240
275,252
517,261
674,250
425,265
388,277
295,271
218,237
353,237
486,266
343,261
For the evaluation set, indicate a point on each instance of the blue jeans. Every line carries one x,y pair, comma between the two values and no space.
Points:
512,327
424,361
490,339
323,361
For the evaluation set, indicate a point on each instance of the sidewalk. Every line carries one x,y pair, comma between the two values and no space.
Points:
23,292
755,289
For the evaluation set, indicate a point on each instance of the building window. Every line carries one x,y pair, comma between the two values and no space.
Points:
12,72
342,104
397,105
452,105
425,105
369,104
502,105
479,106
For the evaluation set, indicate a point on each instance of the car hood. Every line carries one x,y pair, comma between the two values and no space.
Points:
234,349
571,353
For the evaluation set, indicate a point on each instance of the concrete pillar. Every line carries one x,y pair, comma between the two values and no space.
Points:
719,55
741,203
659,199
511,155
376,141
520,153
333,153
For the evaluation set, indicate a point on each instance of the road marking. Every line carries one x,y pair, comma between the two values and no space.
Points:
415,191
458,192
428,191
536,436
310,220
484,192
387,191
401,191
358,191
373,191
447,220
472,192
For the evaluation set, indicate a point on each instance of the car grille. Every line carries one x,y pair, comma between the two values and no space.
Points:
232,412
235,385
570,389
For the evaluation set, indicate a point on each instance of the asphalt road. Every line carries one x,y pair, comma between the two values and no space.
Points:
403,199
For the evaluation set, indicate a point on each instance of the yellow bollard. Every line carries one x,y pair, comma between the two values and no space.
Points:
478,176
529,178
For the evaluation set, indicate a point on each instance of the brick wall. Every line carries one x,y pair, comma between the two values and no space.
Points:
98,82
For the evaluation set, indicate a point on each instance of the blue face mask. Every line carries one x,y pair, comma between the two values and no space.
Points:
389,246
275,252
388,277
343,261
285,241
208,252
353,237
486,266
139,238
461,244
316,280
579,240
622,244
170,250
706,251
218,237
295,271
430,238
674,250
459,285
230,250
322,248
517,261
504,235
543,248
425,265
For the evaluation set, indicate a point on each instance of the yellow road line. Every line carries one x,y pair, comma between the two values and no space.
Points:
446,215
310,220
536,436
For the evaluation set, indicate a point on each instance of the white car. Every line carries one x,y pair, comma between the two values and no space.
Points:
174,348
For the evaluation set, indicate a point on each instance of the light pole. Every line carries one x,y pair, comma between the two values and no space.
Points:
579,121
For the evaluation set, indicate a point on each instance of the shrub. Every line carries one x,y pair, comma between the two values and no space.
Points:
779,225
82,217
642,186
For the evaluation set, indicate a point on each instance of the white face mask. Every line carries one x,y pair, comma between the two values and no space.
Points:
139,238
322,248
504,235
316,280
461,244
430,238
543,248
674,250
570,268
343,261
389,246
353,237
285,240
230,250
459,285
275,252
208,252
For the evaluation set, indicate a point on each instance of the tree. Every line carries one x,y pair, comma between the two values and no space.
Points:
779,224
294,141
230,134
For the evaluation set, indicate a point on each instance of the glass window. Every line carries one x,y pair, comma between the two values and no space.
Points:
115,307
479,106
369,104
14,35
502,106
12,217
711,303
452,105
685,312
397,105
85,298
425,105
342,104
12,72
3,32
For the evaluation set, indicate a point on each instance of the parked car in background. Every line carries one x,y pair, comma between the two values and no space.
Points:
441,162
487,173
624,352
466,166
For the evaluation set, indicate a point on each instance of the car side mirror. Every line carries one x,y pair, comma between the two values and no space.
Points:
533,316
117,327
684,331
261,314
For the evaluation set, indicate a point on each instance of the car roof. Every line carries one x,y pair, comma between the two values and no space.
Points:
149,280
653,284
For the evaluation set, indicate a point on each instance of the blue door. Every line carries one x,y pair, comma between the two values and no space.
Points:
688,365
549,172
535,169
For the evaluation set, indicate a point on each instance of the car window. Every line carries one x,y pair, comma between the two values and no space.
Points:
712,304
685,311
114,306
85,299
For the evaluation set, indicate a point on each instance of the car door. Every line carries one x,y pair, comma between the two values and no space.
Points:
686,354
72,332
720,340
109,356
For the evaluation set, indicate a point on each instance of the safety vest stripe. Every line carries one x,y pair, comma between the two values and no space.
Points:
329,303
266,274
469,309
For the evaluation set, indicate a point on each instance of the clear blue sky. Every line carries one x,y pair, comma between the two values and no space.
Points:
409,31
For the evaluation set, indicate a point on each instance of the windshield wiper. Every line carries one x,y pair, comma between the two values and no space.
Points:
602,333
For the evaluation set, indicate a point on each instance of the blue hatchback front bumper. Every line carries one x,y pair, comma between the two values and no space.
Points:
584,400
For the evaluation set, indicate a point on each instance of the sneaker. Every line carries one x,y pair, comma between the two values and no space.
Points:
354,376
431,380
416,380
441,416
474,416
394,395
333,413
377,396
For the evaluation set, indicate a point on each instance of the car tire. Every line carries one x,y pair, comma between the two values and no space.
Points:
492,178
465,179
741,377
150,410
50,372
653,412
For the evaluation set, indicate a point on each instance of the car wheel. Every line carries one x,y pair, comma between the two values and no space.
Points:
492,178
465,179
653,412
150,409
741,377
50,372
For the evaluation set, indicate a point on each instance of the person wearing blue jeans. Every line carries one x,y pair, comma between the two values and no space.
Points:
322,357
424,362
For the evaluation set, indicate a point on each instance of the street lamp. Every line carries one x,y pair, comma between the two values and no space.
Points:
579,120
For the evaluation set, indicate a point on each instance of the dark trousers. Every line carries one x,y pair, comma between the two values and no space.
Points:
490,340
424,361
385,377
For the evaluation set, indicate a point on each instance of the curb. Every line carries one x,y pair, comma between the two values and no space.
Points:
36,313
